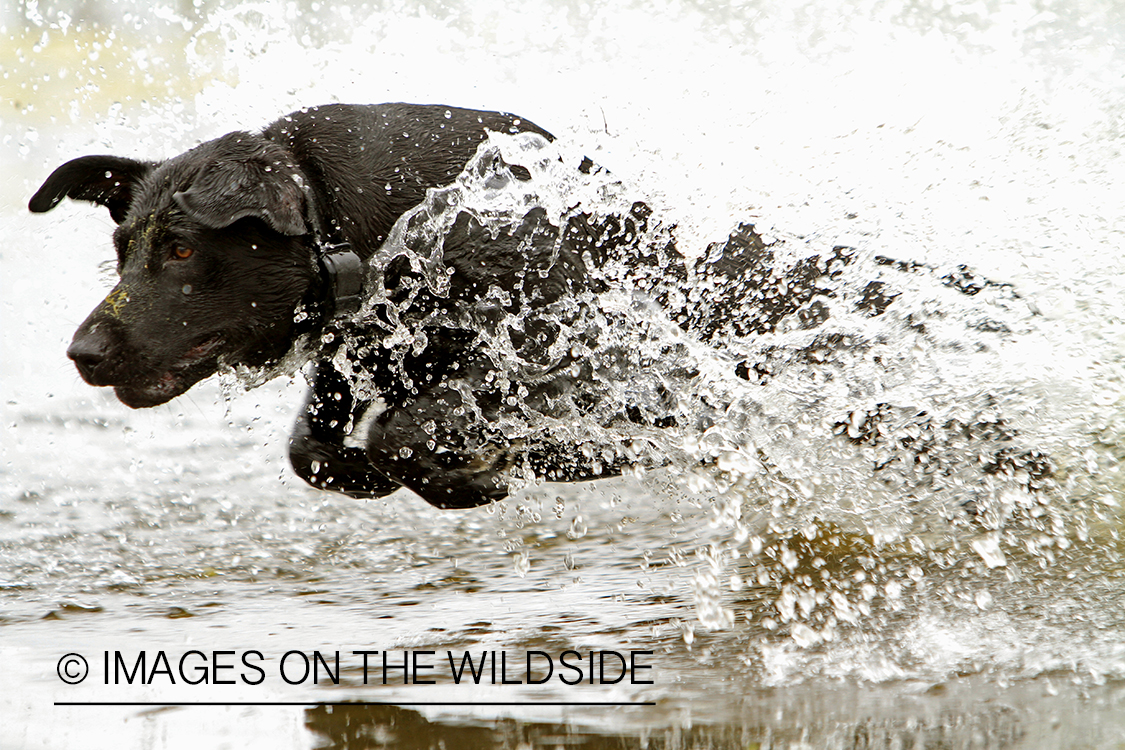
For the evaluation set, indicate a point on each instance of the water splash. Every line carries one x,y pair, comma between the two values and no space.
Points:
882,445
878,477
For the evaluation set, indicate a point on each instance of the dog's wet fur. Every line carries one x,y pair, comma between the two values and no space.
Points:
217,252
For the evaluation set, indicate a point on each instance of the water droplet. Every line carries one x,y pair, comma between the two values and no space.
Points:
523,563
804,636
988,547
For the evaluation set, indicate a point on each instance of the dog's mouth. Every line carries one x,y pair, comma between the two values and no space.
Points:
195,364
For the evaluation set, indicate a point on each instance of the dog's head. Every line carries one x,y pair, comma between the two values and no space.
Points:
214,256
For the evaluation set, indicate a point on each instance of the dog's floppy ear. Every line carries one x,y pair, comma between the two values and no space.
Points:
107,180
244,180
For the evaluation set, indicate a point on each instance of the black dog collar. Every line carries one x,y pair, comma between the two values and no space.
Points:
340,268
342,272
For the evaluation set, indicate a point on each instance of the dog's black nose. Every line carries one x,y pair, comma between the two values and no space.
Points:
88,350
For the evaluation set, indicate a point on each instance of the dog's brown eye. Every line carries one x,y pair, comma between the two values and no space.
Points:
182,253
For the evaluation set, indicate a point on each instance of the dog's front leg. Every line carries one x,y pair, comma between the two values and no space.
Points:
435,446
317,448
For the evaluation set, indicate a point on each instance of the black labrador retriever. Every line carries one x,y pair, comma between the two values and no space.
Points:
237,250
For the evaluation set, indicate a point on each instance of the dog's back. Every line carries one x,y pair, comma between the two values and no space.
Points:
369,164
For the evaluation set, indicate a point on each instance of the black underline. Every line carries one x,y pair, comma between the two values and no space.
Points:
350,703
